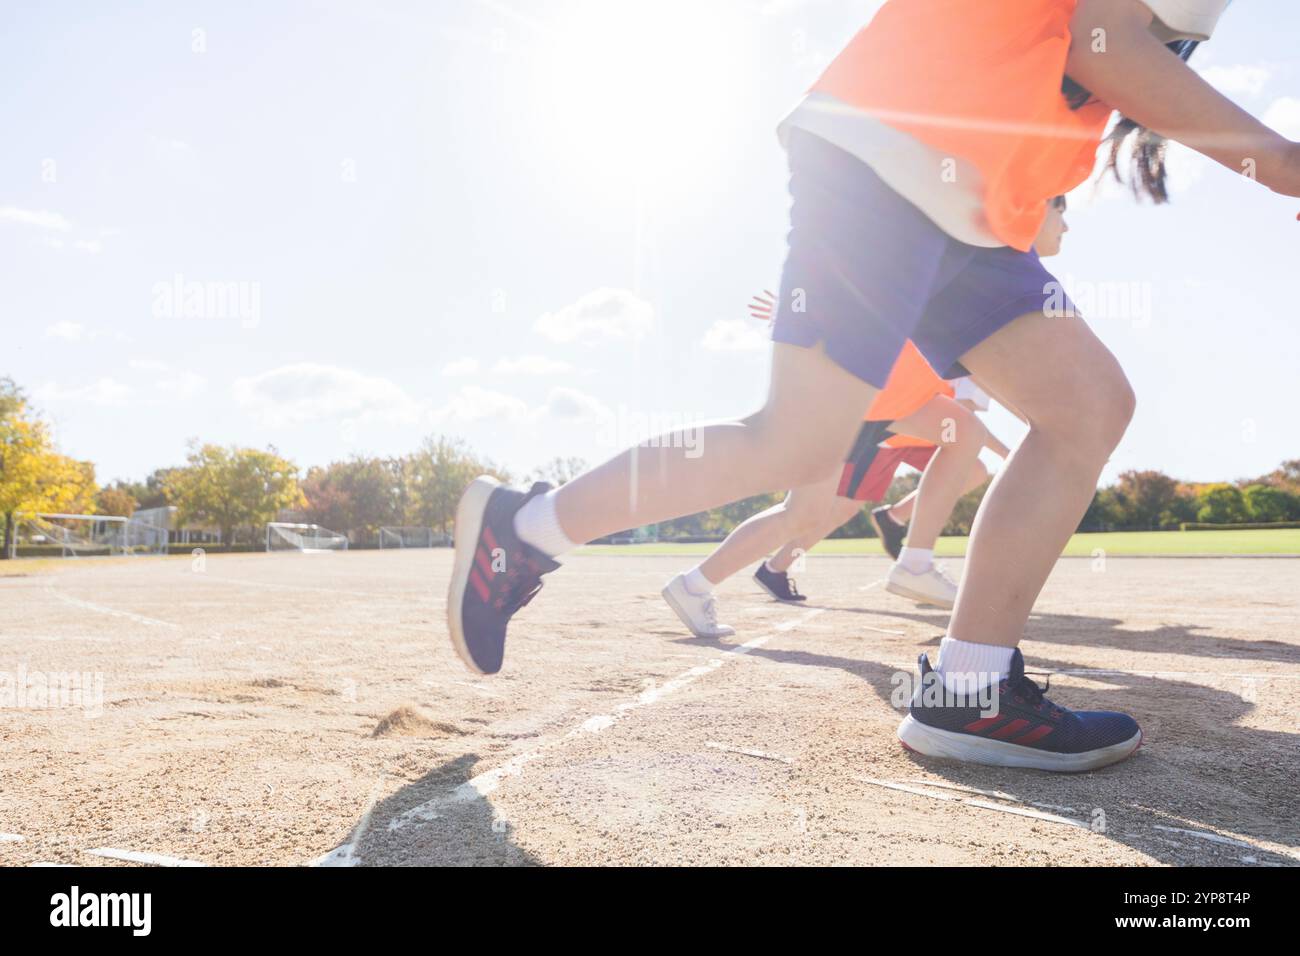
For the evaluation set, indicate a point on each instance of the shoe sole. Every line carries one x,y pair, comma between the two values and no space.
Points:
685,618
881,533
469,524
948,745
903,591
774,595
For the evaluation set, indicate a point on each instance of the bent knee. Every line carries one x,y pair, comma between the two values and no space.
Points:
1092,415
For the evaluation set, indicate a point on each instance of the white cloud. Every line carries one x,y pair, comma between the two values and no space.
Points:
1284,116
575,406
1240,79
531,365
93,246
602,314
735,335
475,404
461,366
306,392
171,382
41,218
104,391
68,331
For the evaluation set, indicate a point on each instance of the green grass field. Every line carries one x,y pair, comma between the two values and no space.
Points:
1161,543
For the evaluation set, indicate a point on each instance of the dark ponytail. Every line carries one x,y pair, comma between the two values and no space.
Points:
1147,176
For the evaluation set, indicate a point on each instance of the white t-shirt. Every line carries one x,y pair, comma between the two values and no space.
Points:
907,165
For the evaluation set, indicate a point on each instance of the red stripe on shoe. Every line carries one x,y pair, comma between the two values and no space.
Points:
484,563
1038,733
479,585
489,538
979,726
1014,727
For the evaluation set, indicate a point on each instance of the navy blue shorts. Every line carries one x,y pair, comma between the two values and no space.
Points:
867,271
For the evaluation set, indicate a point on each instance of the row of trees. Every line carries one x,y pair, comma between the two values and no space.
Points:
1152,501
236,491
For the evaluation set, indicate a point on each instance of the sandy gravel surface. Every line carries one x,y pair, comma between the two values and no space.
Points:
290,709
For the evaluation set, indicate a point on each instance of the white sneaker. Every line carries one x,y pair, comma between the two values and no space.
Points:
699,614
931,586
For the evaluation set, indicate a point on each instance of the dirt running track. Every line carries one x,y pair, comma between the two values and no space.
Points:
309,709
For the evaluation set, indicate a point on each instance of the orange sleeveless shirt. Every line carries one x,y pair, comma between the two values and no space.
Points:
982,81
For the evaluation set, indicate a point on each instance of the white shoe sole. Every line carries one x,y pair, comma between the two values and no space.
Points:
469,522
685,618
903,590
947,745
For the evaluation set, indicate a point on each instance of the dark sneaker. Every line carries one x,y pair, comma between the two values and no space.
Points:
1021,728
494,573
777,584
891,532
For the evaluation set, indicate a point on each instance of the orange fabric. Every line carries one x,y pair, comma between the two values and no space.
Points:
911,383
981,81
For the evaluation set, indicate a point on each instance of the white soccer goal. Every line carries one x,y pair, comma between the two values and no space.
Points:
144,537
75,536
408,537
69,536
304,538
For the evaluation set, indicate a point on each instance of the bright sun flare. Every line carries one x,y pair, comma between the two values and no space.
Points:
641,91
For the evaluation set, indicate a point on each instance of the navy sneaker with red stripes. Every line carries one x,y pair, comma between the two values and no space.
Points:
1015,727
494,573
777,584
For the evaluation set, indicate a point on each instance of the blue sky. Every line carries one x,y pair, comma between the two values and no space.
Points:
534,225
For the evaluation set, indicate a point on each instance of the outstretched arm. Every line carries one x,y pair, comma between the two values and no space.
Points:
1133,72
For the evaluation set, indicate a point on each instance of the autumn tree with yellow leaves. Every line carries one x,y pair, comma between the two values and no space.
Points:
233,488
34,477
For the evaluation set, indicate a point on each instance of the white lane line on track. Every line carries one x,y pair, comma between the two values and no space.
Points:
483,784
101,609
873,584
1204,835
973,802
1236,840
995,794
760,754
135,856
346,855
11,838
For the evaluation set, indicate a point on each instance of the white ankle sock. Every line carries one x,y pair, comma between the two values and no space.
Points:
696,582
916,560
977,665
537,524
771,570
